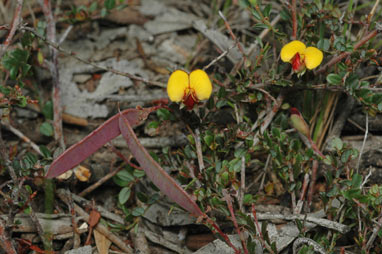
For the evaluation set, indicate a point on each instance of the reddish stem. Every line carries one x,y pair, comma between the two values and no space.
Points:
233,217
257,225
338,58
312,182
225,237
15,23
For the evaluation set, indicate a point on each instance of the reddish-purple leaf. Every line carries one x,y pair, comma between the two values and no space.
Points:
95,140
155,172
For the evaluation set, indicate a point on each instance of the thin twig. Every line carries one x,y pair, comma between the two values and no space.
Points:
65,34
53,67
15,23
40,231
268,118
99,227
123,157
294,20
293,194
72,54
199,151
364,141
372,12
267,94
374,235
232,35
5,241
23,137
228,200
308,241
312,182
306,217
258,229
371,171
341,56
100,181
225,52
242,184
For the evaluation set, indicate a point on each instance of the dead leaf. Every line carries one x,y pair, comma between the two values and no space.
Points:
102,243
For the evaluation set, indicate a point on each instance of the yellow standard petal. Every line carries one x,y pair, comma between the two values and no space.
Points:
201,84
177,85
313,57
289,50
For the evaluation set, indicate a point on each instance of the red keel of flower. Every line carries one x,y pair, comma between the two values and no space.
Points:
296,62
189,101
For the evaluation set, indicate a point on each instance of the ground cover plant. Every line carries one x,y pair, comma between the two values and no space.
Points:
255,95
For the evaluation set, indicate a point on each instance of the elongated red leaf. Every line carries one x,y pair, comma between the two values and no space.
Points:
155,172
95,140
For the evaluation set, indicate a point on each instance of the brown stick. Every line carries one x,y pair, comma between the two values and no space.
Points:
15,23
99,227
100,182
294,20
338,58
5,241
312,182
53,67
232,35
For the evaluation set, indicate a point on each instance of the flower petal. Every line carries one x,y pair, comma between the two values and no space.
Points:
289,50
200,82
177,85
313,57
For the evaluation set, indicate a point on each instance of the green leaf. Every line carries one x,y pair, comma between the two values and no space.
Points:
256,15
267,10
124,195
13,72
142,197
164,114
139,173
109,4
240,152
334,79
208,139
247,199
47,110
103,12
46,129
45,151
260,26
153,125
346,156
124,175
323,44
337,143
138,211
356,181
93,7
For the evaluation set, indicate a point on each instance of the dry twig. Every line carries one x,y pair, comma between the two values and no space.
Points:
15,24
53,67
303,240
99,227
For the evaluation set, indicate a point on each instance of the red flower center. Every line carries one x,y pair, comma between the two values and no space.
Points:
296,62
189,99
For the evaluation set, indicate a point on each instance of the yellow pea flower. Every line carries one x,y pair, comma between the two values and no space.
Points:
300,56
189,88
